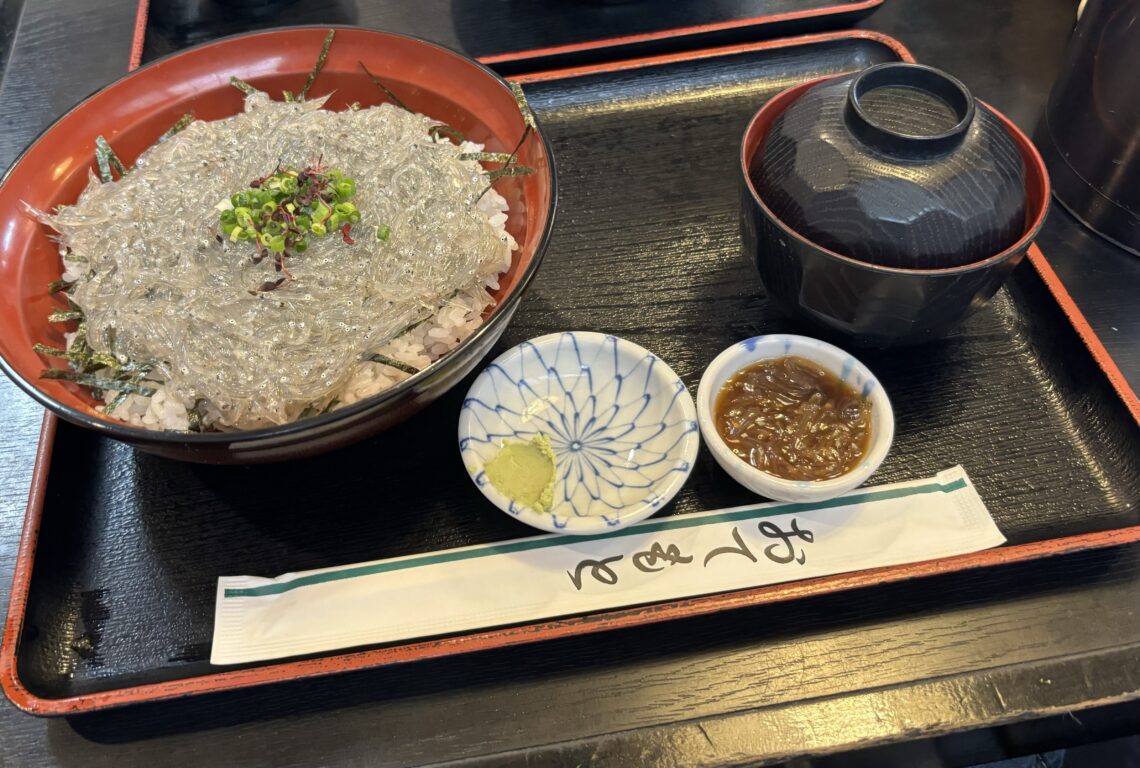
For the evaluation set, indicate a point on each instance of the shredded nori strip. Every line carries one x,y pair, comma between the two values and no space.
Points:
324,54
488,157
115,402
195,414
498,173
510,170
522,139
55,286
312,410
84,361
243,86
102,159
375,81
179,126
130,374
524,106
64,316
527,116
81,359
97,382
447,130
44,349
398,365
106,159
510,167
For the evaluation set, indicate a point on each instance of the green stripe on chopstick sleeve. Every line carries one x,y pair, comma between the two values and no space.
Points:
526,545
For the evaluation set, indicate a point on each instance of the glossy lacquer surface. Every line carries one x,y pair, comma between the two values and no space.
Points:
895,167
500,31
1015,386
871,305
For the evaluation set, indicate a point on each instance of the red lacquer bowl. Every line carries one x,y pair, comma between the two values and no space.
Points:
133,112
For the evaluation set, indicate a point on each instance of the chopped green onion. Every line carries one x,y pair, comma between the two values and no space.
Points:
279,211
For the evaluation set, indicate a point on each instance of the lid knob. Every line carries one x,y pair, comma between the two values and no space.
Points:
908,110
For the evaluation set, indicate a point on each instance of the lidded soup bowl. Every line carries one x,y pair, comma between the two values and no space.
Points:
888,204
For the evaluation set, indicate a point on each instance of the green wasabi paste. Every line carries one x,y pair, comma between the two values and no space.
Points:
524,473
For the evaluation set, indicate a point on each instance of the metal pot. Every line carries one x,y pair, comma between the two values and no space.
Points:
1091,133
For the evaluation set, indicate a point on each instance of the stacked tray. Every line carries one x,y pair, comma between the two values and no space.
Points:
512,37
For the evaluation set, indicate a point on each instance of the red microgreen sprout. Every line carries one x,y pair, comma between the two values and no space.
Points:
279,212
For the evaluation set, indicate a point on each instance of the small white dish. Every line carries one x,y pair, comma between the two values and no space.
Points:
847,368
622,426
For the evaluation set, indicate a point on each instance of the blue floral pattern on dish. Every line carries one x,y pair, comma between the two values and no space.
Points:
622,426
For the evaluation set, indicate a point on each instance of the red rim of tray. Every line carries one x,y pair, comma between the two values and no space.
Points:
547,630
675,33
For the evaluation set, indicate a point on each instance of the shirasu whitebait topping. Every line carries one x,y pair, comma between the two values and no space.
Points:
158,285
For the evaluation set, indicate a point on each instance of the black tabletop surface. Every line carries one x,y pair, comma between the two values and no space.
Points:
997,657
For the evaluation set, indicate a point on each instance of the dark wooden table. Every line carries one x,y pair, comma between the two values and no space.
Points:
941,672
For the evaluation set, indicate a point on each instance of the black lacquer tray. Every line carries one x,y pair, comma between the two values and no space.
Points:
114,592
510,35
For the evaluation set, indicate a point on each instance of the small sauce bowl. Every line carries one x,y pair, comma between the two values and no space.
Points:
621,426
832,358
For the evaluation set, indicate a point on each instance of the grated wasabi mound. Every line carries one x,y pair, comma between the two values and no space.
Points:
524,472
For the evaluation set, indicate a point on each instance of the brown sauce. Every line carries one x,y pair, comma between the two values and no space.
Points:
792,418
